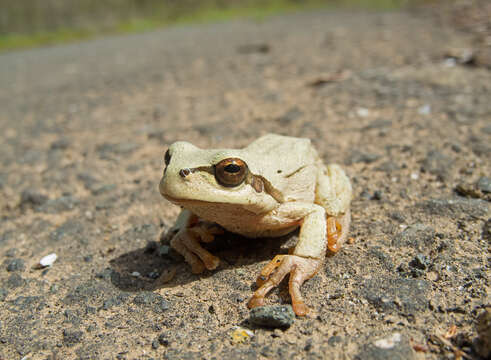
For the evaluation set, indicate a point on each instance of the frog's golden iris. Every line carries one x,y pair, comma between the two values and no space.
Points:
231,172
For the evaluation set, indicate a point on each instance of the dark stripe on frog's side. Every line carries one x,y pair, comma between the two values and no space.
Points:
295,171
270,189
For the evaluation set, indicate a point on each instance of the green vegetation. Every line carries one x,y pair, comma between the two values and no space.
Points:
29,23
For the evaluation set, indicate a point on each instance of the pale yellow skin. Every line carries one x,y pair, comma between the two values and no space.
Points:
299,191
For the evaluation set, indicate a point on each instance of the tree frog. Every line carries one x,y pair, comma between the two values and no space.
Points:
267,189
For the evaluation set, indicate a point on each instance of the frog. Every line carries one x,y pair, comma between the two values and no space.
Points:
272,187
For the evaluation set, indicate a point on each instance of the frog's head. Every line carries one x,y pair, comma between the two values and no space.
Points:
193,176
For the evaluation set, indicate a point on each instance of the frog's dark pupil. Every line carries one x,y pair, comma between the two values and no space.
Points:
232,168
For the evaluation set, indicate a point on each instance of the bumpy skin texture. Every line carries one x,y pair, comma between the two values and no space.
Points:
285,186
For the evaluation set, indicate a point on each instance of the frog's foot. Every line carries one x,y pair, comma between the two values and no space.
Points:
337,231
187,243
299,268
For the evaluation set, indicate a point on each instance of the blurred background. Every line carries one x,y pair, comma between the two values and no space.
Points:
27,23
34,23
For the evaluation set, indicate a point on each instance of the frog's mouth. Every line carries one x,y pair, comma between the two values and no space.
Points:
165,195
175,200
190,202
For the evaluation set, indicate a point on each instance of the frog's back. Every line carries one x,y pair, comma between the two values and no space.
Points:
281,155
289,163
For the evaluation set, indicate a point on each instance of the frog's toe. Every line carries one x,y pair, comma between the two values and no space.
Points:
268,269
255,302
191,242
197,267
211,262
299,268
299,308
298,275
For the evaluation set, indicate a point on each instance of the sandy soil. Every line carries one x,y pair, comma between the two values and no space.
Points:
83,131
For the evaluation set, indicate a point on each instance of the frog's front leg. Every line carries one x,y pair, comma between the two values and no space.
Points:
303,264
188,232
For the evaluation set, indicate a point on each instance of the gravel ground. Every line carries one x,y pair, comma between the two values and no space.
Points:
83,131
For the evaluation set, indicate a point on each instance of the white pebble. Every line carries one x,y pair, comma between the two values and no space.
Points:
135,274
449,62
425,109
362,112
388,342
48,260
89,215
414,176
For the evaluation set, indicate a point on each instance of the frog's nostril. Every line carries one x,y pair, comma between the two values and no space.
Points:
184,172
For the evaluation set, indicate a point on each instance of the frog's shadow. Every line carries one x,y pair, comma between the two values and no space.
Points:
146,270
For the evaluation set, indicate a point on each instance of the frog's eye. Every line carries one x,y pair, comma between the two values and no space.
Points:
231,172
167,157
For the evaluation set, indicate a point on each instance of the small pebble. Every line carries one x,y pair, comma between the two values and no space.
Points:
155,344
135,274
377,195
388,342
11,252
484,184
163,340
420,261
164,250
32,197
72,337
151,247
153,275
89,215
60,144
433,276
362,112
15,265
449,62
48,260
240,335
3,294
425,109
334,340
278,316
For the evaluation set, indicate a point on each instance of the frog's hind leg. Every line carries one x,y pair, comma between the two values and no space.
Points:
333,193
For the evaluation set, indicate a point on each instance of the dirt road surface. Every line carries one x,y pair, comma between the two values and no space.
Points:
83,131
